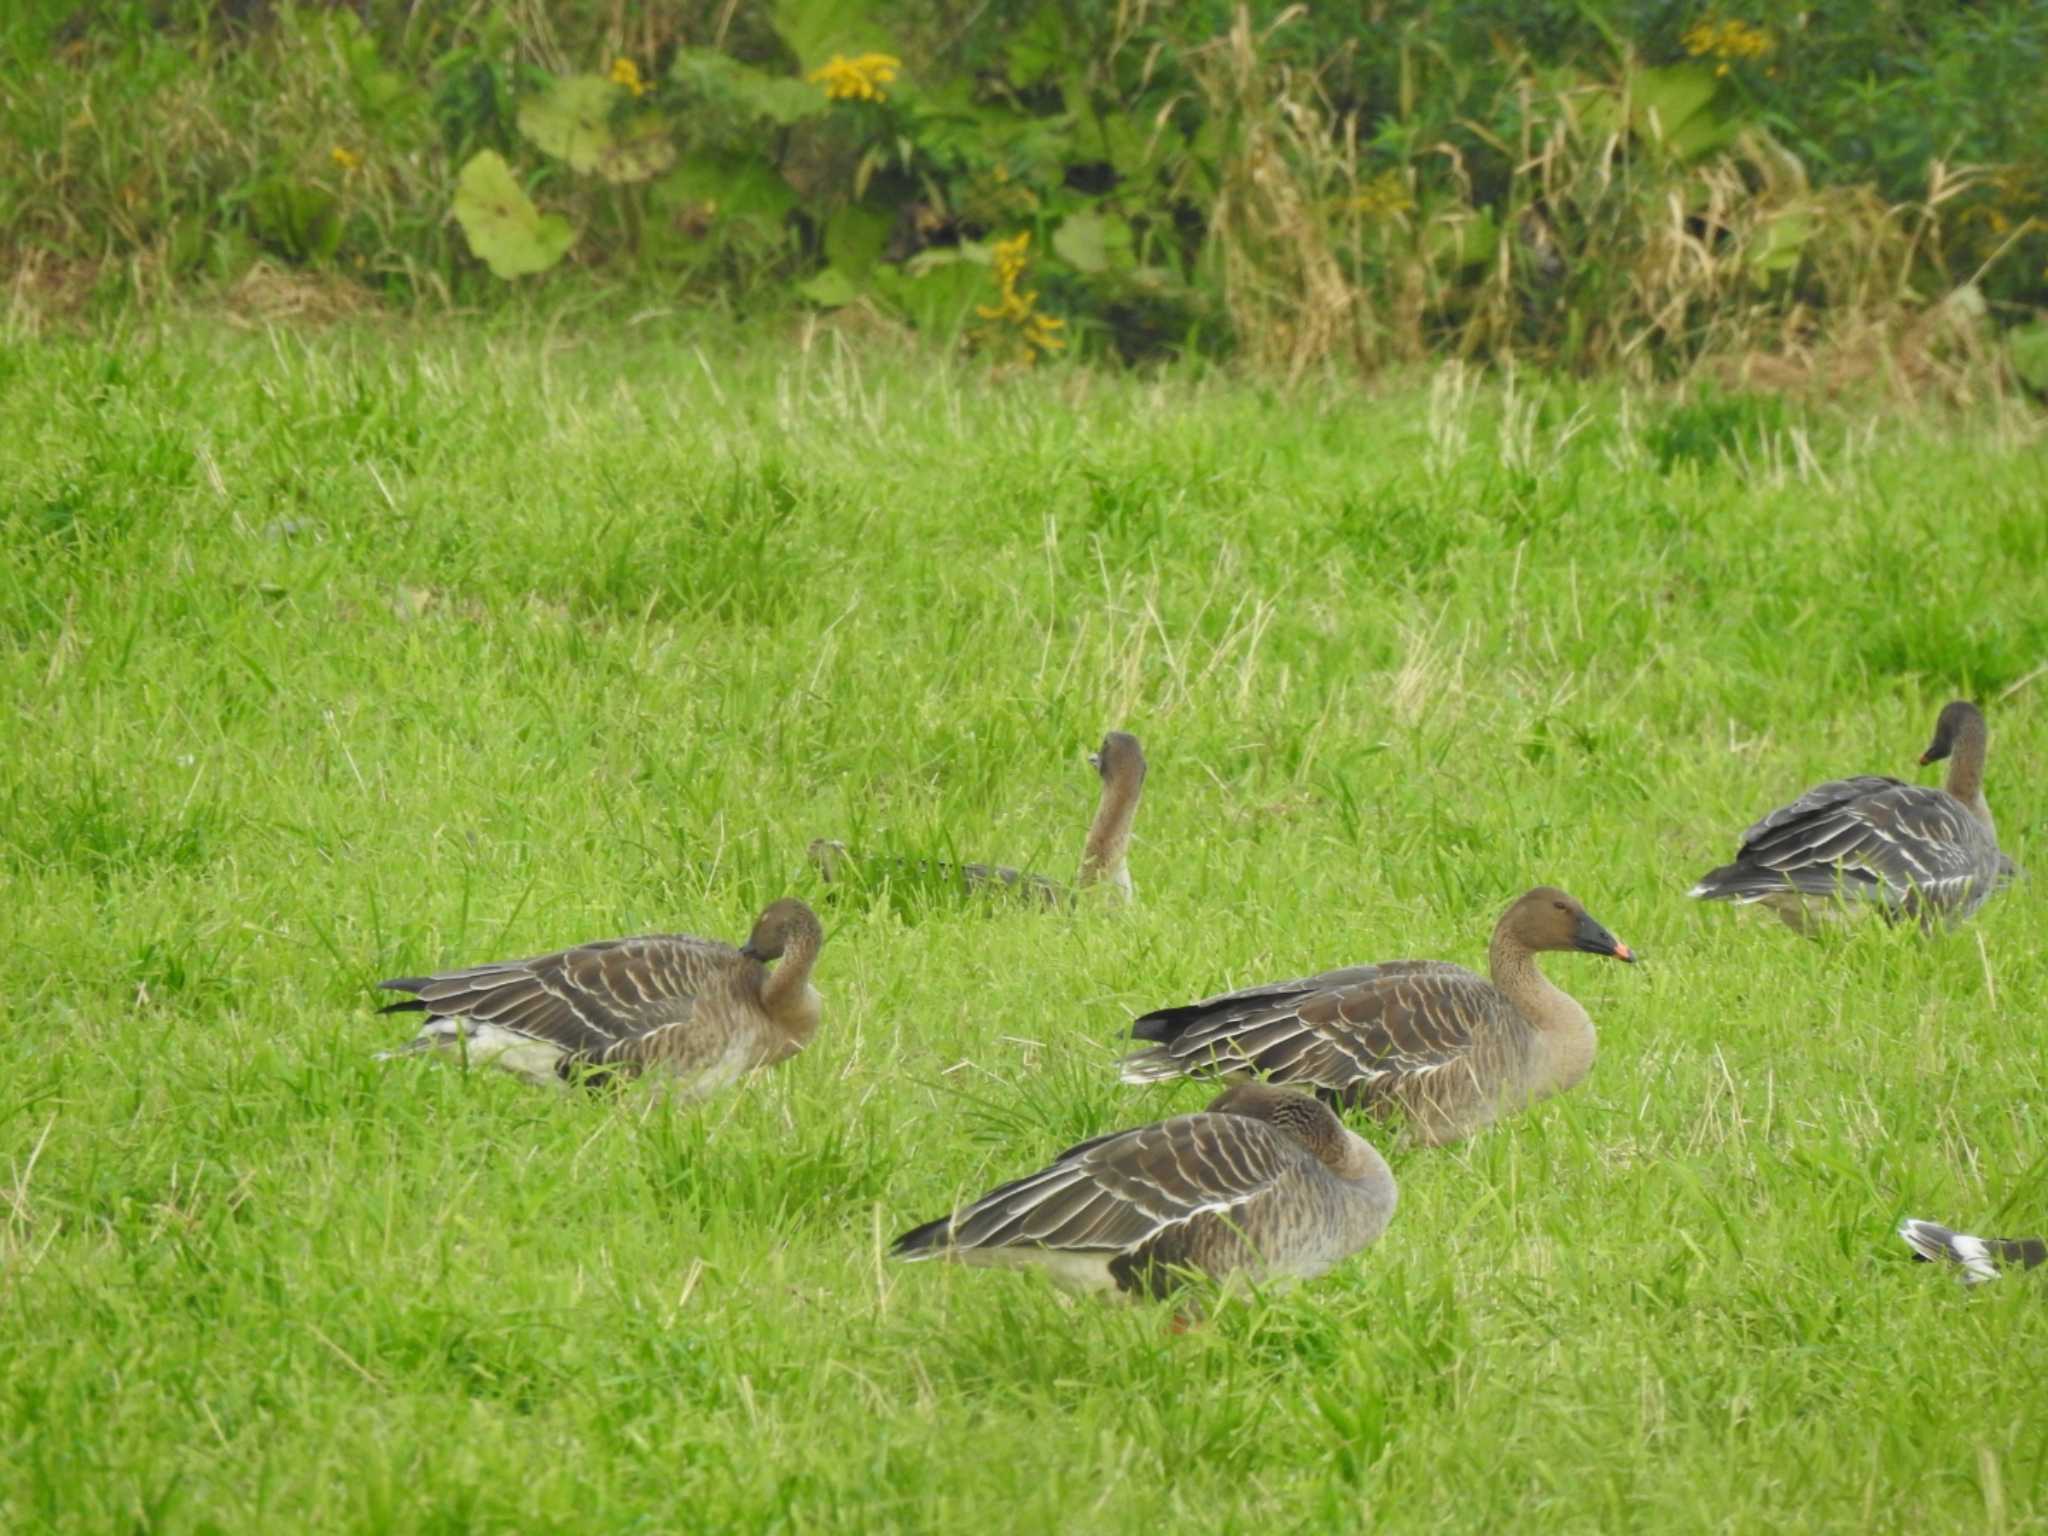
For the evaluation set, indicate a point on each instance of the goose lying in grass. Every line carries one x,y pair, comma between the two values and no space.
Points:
1449,1050
1908,850
1121,764
1980,1258
696,1010
1264,1182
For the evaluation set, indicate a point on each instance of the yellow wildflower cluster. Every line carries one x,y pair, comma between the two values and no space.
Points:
626,73
1727,40
1016,315
1381,198
858,79
344,157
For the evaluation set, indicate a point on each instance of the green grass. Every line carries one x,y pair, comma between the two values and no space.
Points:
341,657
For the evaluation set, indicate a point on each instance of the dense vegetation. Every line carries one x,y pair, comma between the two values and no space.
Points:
1849,190
342,656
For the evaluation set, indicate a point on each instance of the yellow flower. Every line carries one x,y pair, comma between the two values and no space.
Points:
1017,316
625,72
345,157
1725,40
1382,197
859,79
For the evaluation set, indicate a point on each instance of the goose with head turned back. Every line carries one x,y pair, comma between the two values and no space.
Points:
1907,850
695,1010
1448,1050
1121,765
1264,1182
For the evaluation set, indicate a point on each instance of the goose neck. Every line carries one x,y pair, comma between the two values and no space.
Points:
1966,770
1109,835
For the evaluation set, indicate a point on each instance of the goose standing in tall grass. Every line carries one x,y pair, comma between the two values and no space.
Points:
1977,1258
1906,850
1264,1182
1448,1050
1121,765
695,1010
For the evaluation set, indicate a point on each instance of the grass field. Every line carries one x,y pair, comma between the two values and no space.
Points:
345,656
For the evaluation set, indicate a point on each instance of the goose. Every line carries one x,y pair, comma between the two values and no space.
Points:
1448,1049
1980,1258
696,1010
1265,1182
1121,764
1909,850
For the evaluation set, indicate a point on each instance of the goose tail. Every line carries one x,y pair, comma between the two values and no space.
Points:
1980,1258
1155,1065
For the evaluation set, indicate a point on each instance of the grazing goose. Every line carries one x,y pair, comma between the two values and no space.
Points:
1450,1050
1908,850
1121,764
1264,1181
1980,1257
694,1009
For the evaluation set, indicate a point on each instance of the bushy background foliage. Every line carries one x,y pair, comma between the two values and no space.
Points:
1601,184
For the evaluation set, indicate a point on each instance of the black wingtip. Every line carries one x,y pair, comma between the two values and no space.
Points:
1163,1025
410,1005
404,984
927,1239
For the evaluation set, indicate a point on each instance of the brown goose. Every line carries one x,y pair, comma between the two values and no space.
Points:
1907,850
1980,1258
1121,765
1449,1050
694,1009
1264,1182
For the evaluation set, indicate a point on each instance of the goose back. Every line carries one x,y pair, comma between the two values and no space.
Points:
1263,1182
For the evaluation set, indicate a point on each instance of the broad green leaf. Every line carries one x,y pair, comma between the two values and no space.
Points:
1776,244
503,227
829,289
1675,107
643,150
740,88
938,290
726,187
572,120
1093,241
854,238
814,30
300,220
2027,347
1042,45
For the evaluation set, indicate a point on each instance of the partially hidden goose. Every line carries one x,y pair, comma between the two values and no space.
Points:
1908,850
696,1010
1980,1258
1121,765
1265,1182
1449,1050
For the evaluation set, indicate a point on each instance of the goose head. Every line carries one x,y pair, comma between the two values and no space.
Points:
783,926
1547,918
1120,760
1958,723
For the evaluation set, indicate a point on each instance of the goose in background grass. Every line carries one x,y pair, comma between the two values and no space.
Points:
1907,850
1979,1258
1449,1050
1265,1182
1121,764
698,1011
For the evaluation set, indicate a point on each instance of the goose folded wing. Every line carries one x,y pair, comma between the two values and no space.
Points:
1114,1193
1818,801
1400,1020
1903,838
591,1001
1214,1017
